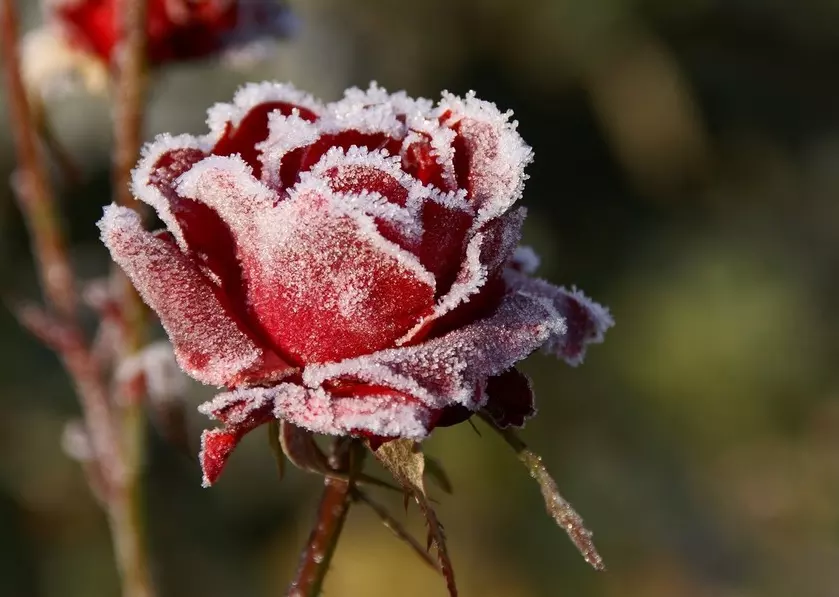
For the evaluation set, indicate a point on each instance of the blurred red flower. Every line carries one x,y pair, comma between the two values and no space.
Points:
177,29
350,267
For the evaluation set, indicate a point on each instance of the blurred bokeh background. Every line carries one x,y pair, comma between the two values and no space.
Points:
686,175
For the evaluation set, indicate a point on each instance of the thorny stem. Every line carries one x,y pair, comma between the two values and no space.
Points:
125,511
332,512
559,509
396,528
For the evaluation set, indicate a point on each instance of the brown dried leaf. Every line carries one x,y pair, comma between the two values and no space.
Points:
406,462
300,448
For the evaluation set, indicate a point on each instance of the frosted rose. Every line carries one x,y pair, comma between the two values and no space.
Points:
350,267
177,29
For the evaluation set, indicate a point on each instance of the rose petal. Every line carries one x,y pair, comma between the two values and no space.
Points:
208,342
510,399
453,369
478,286
490,156
326,285
241,412
587,321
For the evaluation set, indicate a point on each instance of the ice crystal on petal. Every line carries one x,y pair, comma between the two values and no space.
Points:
454,368
209,345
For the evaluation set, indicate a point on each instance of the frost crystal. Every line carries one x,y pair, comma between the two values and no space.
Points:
349,267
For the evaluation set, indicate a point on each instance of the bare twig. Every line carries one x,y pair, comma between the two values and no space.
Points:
34,192
559,509
332,512
127,525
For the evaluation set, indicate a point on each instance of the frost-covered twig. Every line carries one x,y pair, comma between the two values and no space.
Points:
558,507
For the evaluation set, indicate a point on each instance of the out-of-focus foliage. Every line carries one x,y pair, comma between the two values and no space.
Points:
686,174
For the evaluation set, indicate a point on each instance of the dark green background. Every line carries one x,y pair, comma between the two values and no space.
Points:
686,175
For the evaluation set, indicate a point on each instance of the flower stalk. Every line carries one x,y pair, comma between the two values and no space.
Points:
338,495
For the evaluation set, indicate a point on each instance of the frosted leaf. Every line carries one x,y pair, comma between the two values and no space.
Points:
453,369
157,365
490,155
587,321
224,115
208,343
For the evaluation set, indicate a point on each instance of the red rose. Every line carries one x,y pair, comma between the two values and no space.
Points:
177,29
350,267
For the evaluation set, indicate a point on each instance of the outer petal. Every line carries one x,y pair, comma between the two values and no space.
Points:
478,287
586,320
208,342
241,412
453,369
382,412
510,399
490,155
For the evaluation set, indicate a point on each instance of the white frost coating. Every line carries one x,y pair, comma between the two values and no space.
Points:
475,268
164,380
318,411
470,280
313,189
251,95
453,369
338,167
499,154
142,178
373,111
75,441
208,344
226,184
598,316
418,108
526,260
285,134
440,138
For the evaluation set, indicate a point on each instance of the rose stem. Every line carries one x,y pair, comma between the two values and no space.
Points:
558,507
38,206
332,512
126,512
